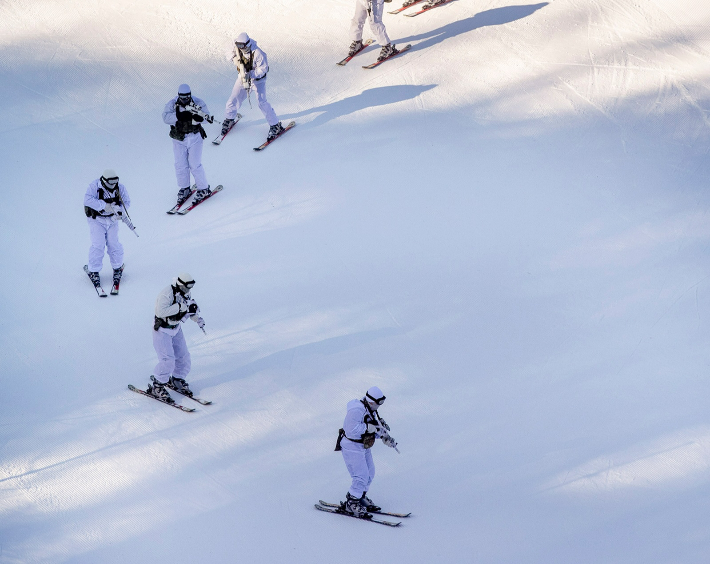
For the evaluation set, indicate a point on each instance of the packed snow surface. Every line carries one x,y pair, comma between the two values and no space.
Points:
505,228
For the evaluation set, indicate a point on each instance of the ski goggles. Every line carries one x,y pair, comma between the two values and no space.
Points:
110,181
185,98
189,285
378,402
242,46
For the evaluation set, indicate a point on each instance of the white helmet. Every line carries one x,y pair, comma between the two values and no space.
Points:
243,42
375,398
109,178
185,282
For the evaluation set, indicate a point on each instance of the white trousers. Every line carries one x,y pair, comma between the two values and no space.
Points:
376,25
239,94
361,467
173,356
188,159
104,235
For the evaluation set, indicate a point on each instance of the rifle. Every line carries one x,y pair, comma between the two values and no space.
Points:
125,218
388,440
384,434
195,109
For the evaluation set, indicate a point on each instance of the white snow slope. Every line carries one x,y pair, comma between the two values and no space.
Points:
506,229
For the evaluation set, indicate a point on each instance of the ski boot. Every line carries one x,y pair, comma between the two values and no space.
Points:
355,46
274,130
387,51
431,4
158,391
367,502
202,194
183,195
227,125
353,506
117,273
180,386
95,279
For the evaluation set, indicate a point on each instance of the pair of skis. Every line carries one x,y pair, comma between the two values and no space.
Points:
338,508
427,7
176,209
97,285
218,140
175,405
365,45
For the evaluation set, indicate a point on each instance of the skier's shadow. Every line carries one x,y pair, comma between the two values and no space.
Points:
495,16
370,98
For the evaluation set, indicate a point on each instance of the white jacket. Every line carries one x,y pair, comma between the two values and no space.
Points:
169,115
171,302
91,198
259,63
355,426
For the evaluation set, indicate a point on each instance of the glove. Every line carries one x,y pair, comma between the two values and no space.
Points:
389,441
192,308
197,118
109,209
118,211
372,428
183,308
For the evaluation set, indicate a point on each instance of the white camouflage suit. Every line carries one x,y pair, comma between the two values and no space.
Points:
358,459
257,75
358,22
104,229
188,153
169,343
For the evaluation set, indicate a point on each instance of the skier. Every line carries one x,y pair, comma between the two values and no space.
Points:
173,306
373,8
253,67
361,427
104,203
187,133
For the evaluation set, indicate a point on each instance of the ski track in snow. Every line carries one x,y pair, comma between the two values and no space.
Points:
505,228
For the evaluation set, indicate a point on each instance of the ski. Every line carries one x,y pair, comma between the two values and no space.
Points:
429,8
336,505
407,4
176,405
192,397
377,63
193,205
270,141
97,287
177,206
218,140
365,45
370,518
